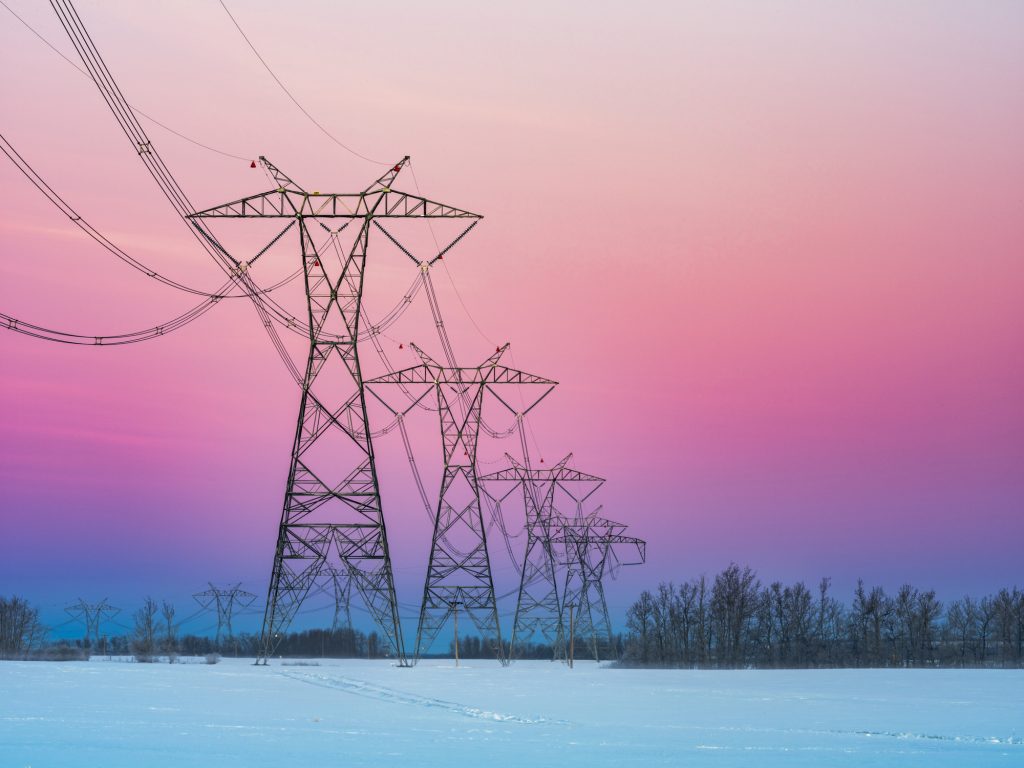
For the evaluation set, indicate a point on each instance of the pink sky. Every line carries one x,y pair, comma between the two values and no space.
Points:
774,253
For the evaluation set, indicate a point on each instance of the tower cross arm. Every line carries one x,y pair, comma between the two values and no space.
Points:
393,204
588,536
556,474
431,374
591,524
417,374
289,200
286,202
500,374
277,203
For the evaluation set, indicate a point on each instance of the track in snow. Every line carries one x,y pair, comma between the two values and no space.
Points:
382,693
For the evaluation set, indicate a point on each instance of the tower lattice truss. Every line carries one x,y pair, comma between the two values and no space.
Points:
589,543
459,575
540,611
332,509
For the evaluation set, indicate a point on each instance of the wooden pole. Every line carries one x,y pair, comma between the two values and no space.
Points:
456,607
572,635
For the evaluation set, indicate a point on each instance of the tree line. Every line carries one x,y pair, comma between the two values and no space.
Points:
154,635
730,621
733,621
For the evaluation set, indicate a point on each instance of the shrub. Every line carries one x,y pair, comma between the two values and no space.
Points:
60,652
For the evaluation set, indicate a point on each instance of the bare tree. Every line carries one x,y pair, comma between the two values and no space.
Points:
828,625
170,631
986,625
770,625
734,600
663,612
143,642
640,620
20,629
962,630
903,628
798,613
927,612
686,611
1008,609
870,619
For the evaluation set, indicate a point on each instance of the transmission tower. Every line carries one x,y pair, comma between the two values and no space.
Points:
590,543
459,569
92,615
224,600
332,501
341,587
332,510
538,608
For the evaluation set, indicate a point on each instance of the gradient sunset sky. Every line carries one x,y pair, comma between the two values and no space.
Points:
772,252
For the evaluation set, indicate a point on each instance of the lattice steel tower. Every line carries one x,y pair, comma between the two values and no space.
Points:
459,569
538,607
224,600
332,509
590,543
341,589
92,615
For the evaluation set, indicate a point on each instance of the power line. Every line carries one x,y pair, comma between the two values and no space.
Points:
111,340
152,119
289,94
62,205
265,306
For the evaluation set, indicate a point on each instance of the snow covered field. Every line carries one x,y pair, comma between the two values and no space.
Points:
367,713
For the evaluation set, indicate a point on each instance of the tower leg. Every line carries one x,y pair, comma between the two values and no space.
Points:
538,608
332,511
459,569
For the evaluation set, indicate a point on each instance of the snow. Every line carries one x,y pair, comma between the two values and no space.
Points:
370,713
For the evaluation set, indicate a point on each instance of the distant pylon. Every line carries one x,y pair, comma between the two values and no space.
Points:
538,607
459,568
92,615
590,543
224,600
341,587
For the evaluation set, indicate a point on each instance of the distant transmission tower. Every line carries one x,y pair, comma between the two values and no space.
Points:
459,569
224,600
92,615
332,505
538,608
590,543
341,585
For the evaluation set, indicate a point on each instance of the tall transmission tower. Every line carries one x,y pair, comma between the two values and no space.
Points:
224,601
538,608
92,615
590,542
332,508
459,569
